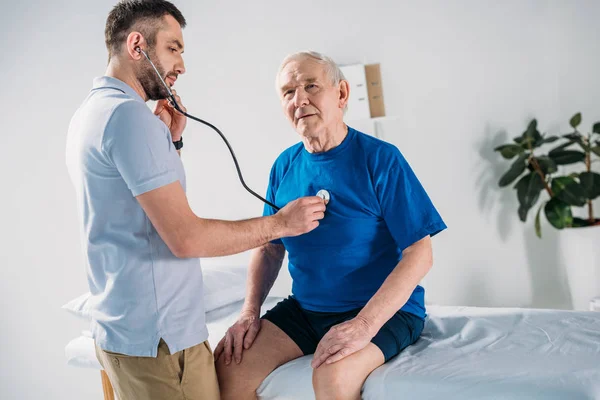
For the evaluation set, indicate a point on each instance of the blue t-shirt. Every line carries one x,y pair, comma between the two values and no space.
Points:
377,208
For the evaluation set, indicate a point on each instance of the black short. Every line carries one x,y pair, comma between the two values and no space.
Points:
307,328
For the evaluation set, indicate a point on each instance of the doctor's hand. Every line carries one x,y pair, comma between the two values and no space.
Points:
238,337
174,120
301,215
342,340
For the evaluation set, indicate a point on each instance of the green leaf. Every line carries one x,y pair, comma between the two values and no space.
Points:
590,183
564,157
560,182
596,150
573,195
538,225
528,192
547,165
596,127
575,120
523,213
550,139
558,214
509,151
518,140
574,136
531,137
569,191
580,222
577,138
524,142
531,130
536,137
532,126
561,147
515,170
584,147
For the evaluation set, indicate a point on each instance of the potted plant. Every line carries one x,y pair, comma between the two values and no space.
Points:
552,179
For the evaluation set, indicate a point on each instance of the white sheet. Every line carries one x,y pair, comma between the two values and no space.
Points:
479,353
466,353
485,353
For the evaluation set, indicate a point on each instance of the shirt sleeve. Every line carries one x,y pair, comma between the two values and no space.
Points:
407,209
139,146
270,196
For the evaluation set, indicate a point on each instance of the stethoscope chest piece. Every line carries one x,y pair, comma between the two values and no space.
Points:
324,194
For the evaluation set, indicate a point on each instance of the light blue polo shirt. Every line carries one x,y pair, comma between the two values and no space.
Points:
118,149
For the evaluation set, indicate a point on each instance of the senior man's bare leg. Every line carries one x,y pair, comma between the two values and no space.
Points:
344,379
271,348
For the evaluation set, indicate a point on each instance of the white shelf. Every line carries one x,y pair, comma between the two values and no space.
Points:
371,125
375,119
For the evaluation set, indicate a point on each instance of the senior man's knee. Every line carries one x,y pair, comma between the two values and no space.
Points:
330,382
235,382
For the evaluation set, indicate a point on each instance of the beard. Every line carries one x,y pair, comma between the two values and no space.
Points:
151,83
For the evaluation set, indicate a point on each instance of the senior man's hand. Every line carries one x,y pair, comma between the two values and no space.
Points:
343,340
239,337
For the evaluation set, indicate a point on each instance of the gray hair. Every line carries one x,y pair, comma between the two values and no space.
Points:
332,70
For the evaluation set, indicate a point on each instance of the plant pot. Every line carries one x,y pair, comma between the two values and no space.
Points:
580,252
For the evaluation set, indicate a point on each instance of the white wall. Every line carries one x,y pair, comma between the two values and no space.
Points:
461,77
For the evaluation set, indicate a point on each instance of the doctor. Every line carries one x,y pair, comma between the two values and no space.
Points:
140,237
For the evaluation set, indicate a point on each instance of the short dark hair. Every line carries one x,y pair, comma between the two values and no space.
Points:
127,13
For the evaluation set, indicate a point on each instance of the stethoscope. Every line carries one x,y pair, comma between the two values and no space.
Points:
324,194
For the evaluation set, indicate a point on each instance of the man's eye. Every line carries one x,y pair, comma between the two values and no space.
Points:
310,86
287,93
173,49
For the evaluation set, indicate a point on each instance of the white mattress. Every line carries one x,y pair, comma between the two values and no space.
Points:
463,353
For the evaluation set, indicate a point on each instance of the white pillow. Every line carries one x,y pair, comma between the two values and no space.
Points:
81,352
222,286
80,306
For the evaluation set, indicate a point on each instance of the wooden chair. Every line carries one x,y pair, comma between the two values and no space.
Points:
109,393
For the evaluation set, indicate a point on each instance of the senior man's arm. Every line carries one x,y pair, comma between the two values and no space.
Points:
351,336
265,263
416,262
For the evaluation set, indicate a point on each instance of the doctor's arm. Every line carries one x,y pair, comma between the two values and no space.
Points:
354,335
189,236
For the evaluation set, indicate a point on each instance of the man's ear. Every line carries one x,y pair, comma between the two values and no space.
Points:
344,89
135,40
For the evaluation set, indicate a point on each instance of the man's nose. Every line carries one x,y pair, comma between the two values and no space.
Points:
180,67
300,98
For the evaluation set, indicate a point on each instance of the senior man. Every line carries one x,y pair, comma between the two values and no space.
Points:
355,302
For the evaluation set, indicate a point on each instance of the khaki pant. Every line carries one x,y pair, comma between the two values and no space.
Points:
187,375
